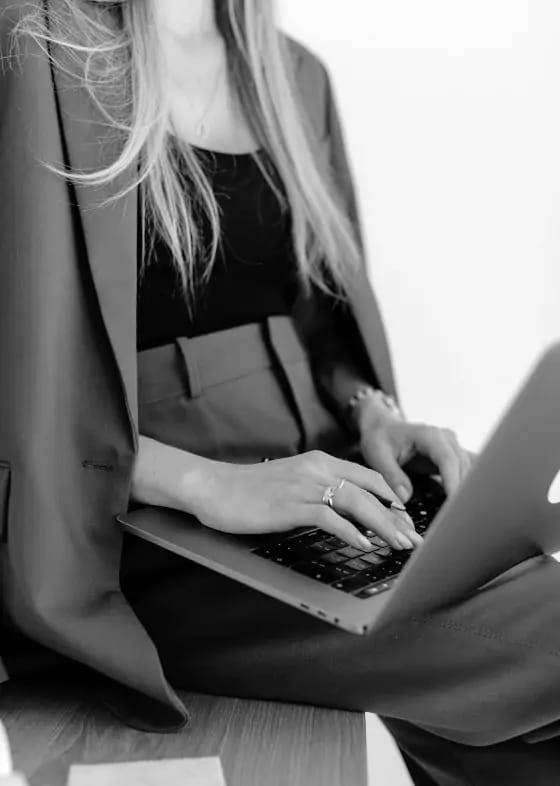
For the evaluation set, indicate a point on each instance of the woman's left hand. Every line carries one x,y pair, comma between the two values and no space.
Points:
387,442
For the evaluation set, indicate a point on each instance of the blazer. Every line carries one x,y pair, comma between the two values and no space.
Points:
68,392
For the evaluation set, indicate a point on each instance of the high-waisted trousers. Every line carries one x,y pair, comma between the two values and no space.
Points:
471,693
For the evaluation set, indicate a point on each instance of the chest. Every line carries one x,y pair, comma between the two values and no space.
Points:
213,118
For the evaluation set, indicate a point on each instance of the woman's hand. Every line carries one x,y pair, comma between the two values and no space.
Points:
387,442
286,493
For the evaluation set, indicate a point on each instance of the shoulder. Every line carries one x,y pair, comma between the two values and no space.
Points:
11,13
312,82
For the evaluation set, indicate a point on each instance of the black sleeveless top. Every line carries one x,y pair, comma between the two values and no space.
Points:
254,275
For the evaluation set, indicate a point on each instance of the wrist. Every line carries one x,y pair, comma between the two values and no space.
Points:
169,477
369,407
193,485
370,414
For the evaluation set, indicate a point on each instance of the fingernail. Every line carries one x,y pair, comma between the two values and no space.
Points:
404,541
365,545
403,493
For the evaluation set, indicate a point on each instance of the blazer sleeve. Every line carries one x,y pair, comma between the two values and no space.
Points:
338,356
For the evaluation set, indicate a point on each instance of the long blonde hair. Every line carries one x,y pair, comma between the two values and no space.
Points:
112,47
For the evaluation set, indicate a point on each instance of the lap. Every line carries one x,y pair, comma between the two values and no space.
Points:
509,763
478,673
481,673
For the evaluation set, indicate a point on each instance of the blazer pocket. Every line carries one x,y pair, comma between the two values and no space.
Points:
4,499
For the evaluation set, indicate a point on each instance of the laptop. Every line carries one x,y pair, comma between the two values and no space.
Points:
500,518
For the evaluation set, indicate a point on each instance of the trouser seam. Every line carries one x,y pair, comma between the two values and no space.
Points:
486,633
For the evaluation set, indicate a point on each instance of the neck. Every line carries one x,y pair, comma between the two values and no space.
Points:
185,20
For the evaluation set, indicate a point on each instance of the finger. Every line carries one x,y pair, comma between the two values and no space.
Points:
332,522
365,478
373,482
465,458
407,528
386,463
362,507
438,448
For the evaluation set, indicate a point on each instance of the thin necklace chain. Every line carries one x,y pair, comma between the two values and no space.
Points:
200,129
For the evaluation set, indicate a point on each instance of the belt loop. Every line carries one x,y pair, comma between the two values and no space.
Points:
191,366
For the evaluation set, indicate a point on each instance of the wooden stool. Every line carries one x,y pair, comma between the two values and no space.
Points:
259,743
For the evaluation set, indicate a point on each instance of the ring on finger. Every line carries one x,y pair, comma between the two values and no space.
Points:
329,492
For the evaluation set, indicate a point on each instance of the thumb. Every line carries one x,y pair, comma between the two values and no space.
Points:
384,461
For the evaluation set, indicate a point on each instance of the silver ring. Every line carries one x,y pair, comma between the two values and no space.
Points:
329,492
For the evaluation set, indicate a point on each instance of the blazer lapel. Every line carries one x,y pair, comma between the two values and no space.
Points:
109,231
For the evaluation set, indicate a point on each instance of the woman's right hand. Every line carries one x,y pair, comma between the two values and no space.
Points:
286,493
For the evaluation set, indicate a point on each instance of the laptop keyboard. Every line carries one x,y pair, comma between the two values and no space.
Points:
328,559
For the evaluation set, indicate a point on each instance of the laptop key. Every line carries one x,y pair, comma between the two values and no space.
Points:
372,559
315,570
321,546
376,574
341,571
391,568
336,542
293,557
290,555
384,552
306,538
357,564
275,553
350,551
281,559
333,557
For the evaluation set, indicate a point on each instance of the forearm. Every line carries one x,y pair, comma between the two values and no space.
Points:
166,476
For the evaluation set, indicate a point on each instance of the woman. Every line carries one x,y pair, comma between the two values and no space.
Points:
183,162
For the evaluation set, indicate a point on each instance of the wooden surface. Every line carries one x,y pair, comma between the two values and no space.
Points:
259,743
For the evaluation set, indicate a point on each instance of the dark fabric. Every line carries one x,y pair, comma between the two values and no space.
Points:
468,673
509,763
254,275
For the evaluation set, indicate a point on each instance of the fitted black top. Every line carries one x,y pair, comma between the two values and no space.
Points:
254,275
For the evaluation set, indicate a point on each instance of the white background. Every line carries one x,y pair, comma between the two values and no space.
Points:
452,116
